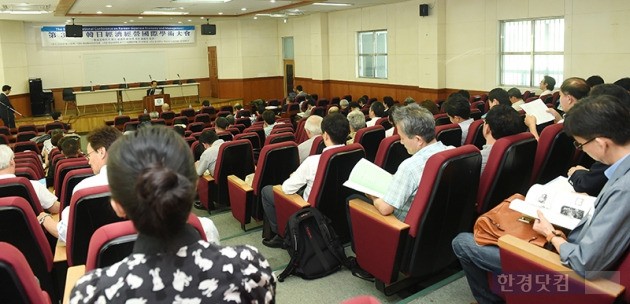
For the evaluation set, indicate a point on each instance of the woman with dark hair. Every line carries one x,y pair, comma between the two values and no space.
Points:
152,180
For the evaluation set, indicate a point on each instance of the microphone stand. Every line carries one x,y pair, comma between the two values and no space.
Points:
181,89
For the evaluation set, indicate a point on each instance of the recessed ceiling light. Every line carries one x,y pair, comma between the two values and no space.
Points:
99,12
220,13
332,4
201,1
179,22
189,20
164,13
125,22
131,20
255,17
244,9
273,1
108,6
140,17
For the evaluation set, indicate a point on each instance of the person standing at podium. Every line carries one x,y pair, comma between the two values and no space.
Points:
6,112
154,87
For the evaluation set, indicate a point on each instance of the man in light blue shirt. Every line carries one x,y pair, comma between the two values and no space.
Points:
416,127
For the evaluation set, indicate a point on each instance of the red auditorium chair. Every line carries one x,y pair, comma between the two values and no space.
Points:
391,153
21,285
279,137
90,209
419,246
507,171
370,138
554,154
449,134
475,134
327,194
235,158
275,164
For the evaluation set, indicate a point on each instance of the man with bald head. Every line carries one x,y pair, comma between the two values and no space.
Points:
313,129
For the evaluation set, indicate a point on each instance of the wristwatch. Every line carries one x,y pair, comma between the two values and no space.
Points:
42,218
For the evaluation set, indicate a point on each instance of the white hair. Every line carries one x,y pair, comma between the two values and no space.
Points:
313,125
356,120
343,103
6,155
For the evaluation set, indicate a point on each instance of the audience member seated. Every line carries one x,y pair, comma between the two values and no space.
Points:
211,143
313,129
501,121
335,129
594,80
357,122
377,110
221,124
498,96
516,98
49,144
343,104
99,141
546,85
354,106
7,170
70,148
408,101
430,105
416,127
457,108
571,90
170,262
166,107
601,128
388,102
333,109
270,120
390,118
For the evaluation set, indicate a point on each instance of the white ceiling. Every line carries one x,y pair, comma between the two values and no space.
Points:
130,11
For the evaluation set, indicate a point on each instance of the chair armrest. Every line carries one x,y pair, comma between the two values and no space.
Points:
73,275
241,198
60,252
286,205
378,240
520,257
204,189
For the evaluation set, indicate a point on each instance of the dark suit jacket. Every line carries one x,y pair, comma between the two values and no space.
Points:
7,115
151,91
590,181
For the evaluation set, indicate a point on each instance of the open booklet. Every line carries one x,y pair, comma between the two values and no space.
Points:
537,109
369,178
557,201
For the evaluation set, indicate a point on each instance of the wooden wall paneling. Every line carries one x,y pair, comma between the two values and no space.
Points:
230,88
264,88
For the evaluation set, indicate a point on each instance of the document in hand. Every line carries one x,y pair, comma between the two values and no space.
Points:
538,109
369,178
559,204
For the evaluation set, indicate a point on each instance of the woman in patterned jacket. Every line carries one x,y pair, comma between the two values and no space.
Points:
152,180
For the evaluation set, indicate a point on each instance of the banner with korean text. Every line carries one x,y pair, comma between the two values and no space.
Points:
119,35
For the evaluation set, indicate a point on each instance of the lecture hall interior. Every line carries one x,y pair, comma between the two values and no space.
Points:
262,49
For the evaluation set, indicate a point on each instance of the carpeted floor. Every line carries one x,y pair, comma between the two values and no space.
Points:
334,288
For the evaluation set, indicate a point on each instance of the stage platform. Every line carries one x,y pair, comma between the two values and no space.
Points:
96,116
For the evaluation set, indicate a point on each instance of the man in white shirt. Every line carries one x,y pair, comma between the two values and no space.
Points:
335,129
457,108
546,85
99,141
516,98
208,159
7,170
313,128
377,110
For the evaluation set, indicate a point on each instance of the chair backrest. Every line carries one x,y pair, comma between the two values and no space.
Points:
168,116
22,187
4,139
54,125
110,244
119,121
235,158
188,112
300,132
19,227
475,113
318,146
475,134
508,170
180,120
391,153
227,109
26,172
279,137
444,206
240,127
441,119
276,162
252,137
70,180
196,126
131,126
26,146
19,284
203,117
246,121
66,165
225,135
27,128
370,138
25,135
259,131
68,94
554,154
90,209
449,134
328,193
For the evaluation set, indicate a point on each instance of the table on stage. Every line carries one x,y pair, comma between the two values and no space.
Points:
98,97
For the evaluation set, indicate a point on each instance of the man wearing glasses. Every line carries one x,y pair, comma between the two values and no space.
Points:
99,140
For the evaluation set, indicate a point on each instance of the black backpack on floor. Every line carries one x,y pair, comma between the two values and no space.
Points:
313,246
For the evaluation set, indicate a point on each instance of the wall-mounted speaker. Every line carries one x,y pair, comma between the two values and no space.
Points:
424,10
208,29
74,30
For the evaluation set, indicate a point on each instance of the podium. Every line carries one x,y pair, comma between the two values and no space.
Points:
153,103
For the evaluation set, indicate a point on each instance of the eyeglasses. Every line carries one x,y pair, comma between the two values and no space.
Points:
87,156
579,146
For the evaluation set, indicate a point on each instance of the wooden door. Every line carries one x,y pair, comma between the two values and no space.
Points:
289,76
213,71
